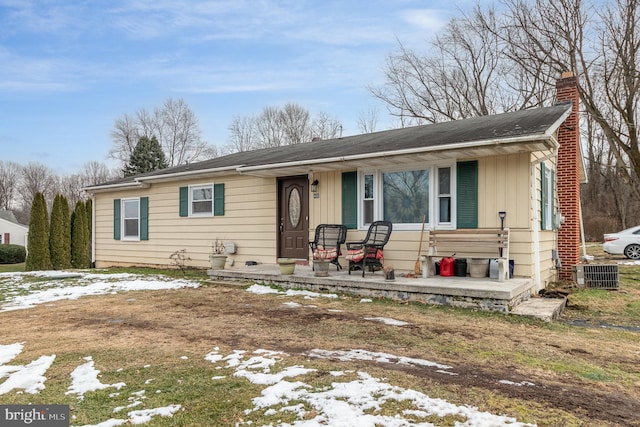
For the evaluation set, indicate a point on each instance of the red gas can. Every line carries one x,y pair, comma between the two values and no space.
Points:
446,267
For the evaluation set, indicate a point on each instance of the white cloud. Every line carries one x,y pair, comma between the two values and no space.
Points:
426,19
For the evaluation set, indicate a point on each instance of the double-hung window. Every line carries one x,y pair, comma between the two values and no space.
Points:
406,197
444,196
368,198
131,218
201,200
546,197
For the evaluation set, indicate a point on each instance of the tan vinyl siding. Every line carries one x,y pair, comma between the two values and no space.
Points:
504,184
249,221
327,207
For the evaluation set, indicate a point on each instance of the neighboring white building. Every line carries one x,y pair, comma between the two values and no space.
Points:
11,231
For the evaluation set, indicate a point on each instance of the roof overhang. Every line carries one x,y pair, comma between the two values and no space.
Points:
402,157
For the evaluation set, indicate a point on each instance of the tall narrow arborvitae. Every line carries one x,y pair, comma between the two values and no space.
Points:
60,234
79,243
38,257
89,209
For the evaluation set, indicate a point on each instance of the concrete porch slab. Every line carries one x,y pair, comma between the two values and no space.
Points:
466,292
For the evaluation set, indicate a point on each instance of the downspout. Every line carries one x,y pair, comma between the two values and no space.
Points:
585,257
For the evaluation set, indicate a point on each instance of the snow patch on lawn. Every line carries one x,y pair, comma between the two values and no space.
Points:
349,403
264,290
388,321
29,378
22,294
85,378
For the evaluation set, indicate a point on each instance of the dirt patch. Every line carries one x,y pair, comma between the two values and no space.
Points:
597,381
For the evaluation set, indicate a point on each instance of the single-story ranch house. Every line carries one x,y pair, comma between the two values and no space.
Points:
461,174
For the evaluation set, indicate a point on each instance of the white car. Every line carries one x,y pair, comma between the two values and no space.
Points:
625,242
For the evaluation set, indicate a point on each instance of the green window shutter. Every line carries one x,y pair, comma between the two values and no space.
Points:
467,194
116,219
144,218
552,192
218,199
543,196
350,199
184,201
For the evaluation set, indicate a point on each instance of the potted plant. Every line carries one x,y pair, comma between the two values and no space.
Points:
321,261
218,255
287,265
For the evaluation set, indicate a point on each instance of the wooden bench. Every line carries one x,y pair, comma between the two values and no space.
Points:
481,243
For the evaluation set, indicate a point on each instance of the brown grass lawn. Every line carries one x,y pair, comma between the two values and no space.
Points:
582,376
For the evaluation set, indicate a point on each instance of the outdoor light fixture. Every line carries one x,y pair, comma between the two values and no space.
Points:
314,186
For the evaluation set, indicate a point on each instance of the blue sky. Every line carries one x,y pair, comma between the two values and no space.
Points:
68,69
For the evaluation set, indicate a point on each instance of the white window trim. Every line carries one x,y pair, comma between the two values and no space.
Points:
197,187
123,233
547,198
449,225
378,197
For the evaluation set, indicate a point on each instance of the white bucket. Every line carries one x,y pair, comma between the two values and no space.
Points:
478,267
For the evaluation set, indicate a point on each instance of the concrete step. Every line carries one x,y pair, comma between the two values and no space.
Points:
547,309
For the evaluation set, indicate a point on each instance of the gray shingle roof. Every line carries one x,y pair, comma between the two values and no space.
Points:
533,123
9,216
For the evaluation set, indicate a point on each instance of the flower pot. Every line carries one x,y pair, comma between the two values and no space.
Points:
217,261
287,266
478,267
321,267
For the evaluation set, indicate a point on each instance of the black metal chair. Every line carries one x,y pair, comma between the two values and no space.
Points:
370,248
327,242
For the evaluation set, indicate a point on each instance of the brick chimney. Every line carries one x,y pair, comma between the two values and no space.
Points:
568,177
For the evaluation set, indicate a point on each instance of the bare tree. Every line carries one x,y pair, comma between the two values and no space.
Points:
70,186
275,126
368,121
295,123
9,183
174,125
325,127
465,75
125,136
269,129
179,133
93,173
600,43
242,134
37,177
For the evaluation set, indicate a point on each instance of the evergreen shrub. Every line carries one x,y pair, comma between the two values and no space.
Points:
12,254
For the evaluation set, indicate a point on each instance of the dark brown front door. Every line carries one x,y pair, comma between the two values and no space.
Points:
293,217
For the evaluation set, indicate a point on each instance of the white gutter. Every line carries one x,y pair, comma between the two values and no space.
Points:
473,144
135,183
142,182
188,173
